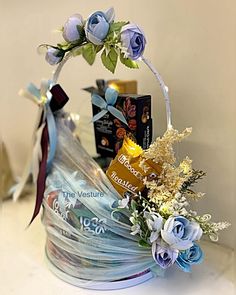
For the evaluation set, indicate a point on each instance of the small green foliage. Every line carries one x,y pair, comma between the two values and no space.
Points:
66,46
143,243
89,53
110,60
115,29
81,32
128,62
133,205
196,175
77,51
98,48
210,228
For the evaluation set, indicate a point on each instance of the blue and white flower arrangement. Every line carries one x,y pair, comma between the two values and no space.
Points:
161,216
99,33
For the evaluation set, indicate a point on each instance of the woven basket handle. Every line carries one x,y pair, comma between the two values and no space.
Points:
163,87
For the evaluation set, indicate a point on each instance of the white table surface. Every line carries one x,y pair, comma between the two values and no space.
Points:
23,269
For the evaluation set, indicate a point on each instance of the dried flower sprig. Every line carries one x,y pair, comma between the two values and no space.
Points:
196,175
161,216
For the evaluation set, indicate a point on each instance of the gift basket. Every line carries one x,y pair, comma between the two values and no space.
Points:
119,229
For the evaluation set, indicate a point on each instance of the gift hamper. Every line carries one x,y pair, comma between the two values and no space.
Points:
120,228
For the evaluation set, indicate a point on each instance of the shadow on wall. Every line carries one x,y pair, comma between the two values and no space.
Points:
220,197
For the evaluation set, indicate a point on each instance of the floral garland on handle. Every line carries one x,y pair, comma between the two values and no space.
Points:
115,40
99,33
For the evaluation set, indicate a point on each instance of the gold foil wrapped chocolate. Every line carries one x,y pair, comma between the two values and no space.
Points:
129,168
123,86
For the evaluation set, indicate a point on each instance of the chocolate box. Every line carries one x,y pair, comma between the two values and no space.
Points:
110,131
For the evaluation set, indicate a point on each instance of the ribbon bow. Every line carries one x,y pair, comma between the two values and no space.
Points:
42,97
107,105
50,98
39,96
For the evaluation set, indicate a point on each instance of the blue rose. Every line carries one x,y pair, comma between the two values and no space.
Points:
54,56
179,232
97,26
189,257
71,29
133,40
164,255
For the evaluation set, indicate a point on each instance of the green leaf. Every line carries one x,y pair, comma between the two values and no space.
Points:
64,45
133,205
89,53
77,51
80,30
81,33
110,60
143,243
99,48
117,26
114,30
128,62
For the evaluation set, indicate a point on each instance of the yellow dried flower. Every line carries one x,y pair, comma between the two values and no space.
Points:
161,150
172,177
186,166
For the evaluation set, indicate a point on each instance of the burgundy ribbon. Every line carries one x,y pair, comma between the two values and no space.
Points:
58,100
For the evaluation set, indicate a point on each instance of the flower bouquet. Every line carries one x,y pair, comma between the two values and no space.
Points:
114,230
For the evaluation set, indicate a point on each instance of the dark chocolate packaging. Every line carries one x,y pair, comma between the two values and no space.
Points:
110,131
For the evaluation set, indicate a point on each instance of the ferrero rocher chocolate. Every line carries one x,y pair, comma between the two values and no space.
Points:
127,171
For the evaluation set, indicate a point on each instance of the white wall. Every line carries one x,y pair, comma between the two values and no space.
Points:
192,43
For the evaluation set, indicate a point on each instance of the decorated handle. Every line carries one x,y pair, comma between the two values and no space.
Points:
164,88
57,72
115,41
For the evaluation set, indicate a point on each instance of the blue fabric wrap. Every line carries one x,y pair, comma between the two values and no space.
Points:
85,240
